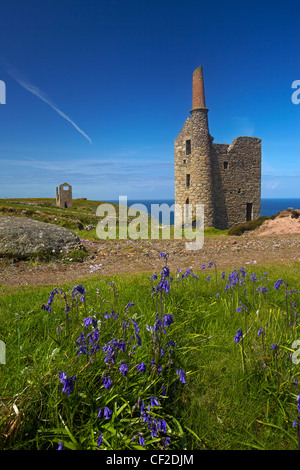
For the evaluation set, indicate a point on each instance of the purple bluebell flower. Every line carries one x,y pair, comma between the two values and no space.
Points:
275,346
130,304
154,401
100,440
278,284
136,327
253,277
107,382
238,336
168,319
163,255
79,290
298,403
106,413
68,383
50,300
239,309
90,321
139,340
260,331
162,425
165,272
123,368
141,367
166,441
181,374
61,446
262,289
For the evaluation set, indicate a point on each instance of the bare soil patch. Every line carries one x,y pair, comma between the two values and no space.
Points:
109,258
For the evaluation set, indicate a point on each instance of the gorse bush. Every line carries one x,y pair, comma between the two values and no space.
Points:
177,361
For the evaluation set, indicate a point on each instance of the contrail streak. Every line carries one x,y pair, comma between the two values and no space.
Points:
37,92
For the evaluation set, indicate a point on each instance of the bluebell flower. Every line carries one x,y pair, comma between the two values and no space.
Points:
260,331
253,277
79,290
278,284
238,336
90,321
274,346
168,319
141,367
123,368
163,255
139,340
262,289
68,383
165,272
107,382
50,300
298,403
181,374
61,446
130,304
166,441
154,401
136,327
162,425
99,440
106,413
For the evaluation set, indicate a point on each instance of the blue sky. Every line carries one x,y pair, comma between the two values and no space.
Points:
97,91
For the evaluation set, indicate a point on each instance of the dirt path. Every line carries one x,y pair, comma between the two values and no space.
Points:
107,258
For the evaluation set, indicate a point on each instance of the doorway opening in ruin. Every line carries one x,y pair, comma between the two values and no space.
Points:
249,211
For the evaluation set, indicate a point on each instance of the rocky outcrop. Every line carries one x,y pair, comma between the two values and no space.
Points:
23,238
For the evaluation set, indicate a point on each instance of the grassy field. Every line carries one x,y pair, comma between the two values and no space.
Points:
80,218
139,362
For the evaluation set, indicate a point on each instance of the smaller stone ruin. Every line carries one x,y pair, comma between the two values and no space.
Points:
64,196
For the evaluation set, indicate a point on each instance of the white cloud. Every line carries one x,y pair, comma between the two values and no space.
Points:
42,96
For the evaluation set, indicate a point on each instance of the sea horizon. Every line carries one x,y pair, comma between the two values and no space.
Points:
269,206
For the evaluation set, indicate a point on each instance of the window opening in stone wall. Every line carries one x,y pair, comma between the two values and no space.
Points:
239,191
184,161
188,147
188,181
249,211
225,165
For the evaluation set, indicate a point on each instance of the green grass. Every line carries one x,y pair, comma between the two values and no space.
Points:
236,395
80,215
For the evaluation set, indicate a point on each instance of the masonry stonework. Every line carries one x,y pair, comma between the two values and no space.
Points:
225,178
64,196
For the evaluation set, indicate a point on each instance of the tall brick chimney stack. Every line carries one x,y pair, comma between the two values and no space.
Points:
198,89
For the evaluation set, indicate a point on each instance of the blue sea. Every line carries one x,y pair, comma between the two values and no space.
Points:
268,206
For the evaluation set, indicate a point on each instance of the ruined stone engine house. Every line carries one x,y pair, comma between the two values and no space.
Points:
225,178
64,196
